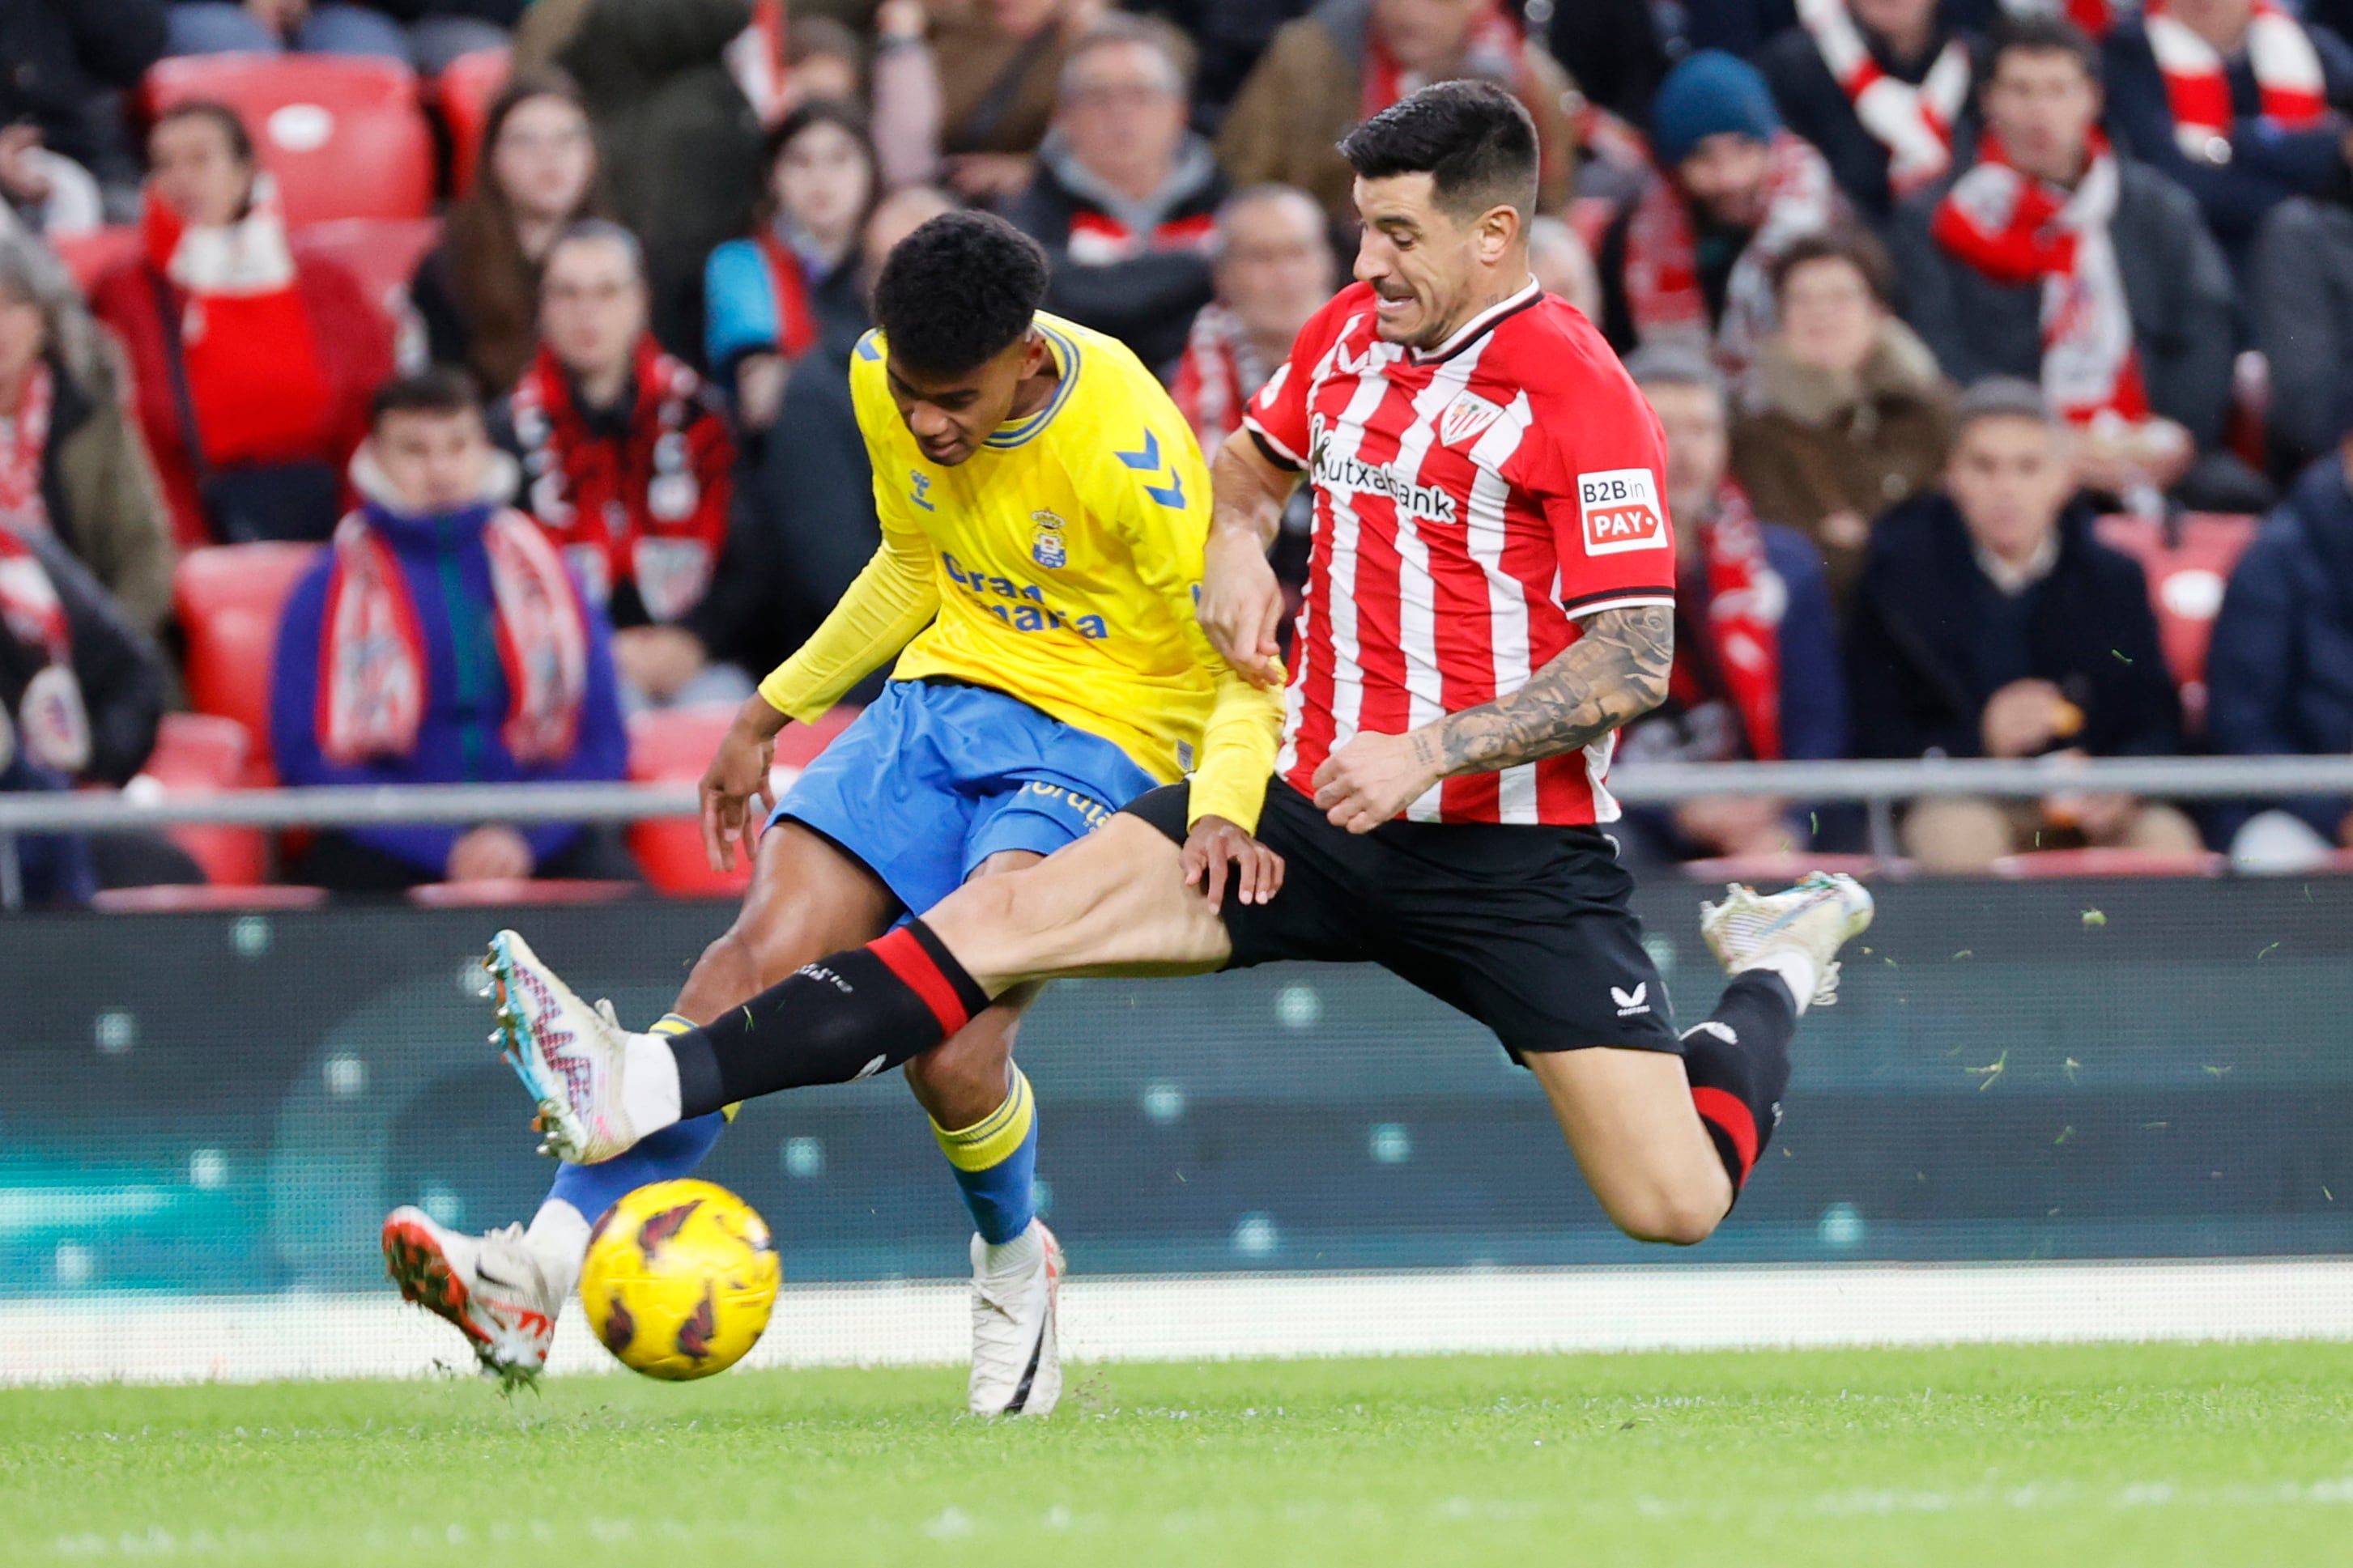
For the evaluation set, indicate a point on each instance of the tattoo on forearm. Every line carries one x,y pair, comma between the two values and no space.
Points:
1615,672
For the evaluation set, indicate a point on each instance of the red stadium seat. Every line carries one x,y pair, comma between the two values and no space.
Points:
204,753
463,92
2188,561
381,255
182,898
674,747
517,891
228,598
2048,863
345,135
90,257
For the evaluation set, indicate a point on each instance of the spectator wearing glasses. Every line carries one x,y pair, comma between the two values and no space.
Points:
627,463
1125,197
477,290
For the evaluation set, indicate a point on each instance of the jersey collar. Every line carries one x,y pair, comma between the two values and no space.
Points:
1485,321
1016,432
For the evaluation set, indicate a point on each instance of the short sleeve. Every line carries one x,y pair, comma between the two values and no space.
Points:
1603,486
1277,416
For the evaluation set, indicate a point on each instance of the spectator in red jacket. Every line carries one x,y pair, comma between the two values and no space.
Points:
252,370
627,465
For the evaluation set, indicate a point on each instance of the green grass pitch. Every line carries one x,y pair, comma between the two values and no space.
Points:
1993,1456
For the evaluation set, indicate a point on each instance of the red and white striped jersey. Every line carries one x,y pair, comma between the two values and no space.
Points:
1472,504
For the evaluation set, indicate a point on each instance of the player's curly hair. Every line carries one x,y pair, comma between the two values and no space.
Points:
958,291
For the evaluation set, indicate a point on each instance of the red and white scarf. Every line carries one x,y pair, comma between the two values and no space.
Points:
1098,239
1217,375
1746,603
253,365
1496,51
2019,230
2288,82
24,448
1914,123
51,720
1663,286
649,509
373,676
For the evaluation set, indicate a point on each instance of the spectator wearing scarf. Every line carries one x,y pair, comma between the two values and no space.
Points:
278,357
72,465
627,465
2056,260
1347,59
1731,189
440,639
1756,674
2238,102
1880,87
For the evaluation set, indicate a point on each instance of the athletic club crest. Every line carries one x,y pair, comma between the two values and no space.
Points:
1465,419
1046,546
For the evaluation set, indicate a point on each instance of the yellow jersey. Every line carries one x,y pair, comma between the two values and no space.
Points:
1058,564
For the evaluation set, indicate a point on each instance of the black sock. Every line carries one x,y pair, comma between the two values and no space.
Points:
1738,1063
848,1016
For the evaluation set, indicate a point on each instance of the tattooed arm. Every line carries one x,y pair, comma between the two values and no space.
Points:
1613,674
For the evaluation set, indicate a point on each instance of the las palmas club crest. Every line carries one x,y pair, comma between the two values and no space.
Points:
1047,546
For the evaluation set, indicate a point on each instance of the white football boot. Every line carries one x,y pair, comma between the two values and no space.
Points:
1809,922
572,1057
1016,1364
488,1286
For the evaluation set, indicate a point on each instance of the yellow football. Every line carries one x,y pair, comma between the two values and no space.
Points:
680,1279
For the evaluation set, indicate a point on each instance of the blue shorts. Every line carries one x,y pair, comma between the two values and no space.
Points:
935,777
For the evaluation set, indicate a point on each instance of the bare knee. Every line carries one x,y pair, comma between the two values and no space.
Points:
1669,1218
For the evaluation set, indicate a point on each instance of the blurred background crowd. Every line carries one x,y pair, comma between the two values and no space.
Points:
456,391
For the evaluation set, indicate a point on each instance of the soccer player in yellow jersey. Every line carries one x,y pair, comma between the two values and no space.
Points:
1044,510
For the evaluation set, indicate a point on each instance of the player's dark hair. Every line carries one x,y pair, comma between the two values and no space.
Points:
1474,139
958,291
2042,33
442,389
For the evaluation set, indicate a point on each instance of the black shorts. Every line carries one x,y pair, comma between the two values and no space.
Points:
1525,929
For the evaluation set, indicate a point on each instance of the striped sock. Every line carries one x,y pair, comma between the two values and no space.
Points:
996,1162
1738,1063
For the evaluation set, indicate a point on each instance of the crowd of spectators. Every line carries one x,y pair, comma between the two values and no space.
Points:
1953,314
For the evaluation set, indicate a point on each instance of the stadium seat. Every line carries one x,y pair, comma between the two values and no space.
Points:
1773,870
2048,863
2188,561
345,135
228,598
90,257
205,753
181,898
381,255
674,747
518,890
463,92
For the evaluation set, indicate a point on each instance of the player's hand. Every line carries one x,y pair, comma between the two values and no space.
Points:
737,777
1242,606
1372,778
490,853
1217,848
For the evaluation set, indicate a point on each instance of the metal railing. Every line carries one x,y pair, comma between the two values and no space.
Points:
1878,785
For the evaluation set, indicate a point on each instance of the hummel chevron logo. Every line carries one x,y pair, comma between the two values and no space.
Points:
1631,1003
1148,458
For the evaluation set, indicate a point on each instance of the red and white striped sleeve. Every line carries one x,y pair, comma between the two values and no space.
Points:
1602,477
1277,417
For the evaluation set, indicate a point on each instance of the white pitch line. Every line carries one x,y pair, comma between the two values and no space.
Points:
245,1339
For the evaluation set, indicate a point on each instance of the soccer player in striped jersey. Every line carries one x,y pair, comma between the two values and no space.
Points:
1491,597
1044,511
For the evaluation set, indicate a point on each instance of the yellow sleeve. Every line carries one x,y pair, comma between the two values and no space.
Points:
896,596
1245,724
